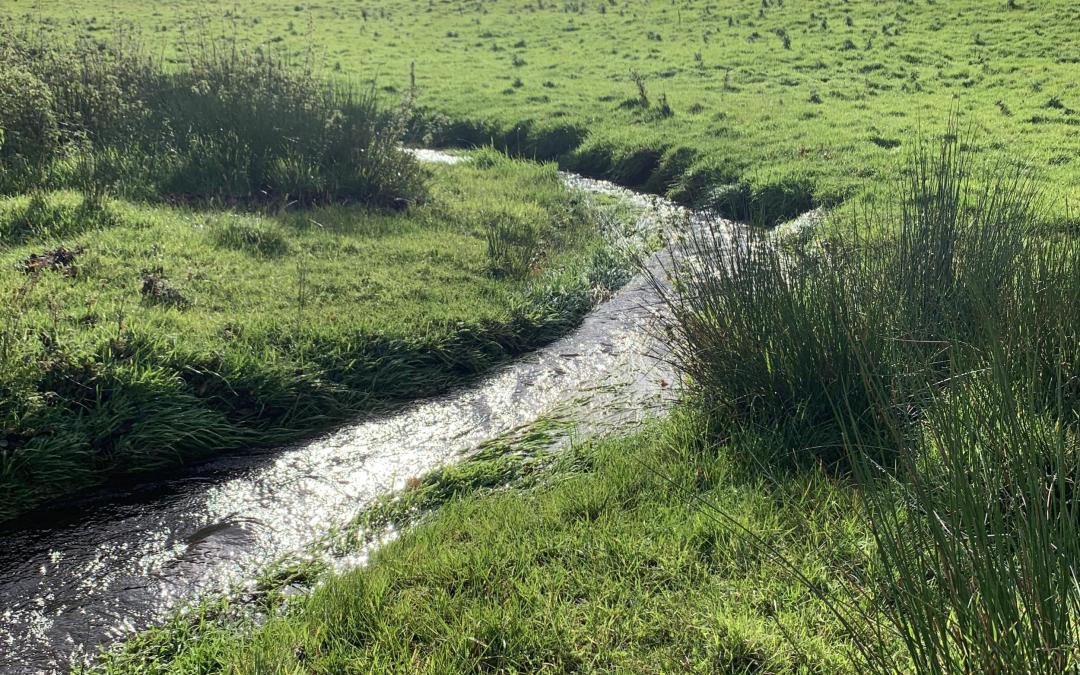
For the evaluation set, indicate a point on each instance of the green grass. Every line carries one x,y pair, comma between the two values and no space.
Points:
875,471
600,561
176,333
813,122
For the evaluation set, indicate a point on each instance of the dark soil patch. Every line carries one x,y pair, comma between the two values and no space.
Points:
59,259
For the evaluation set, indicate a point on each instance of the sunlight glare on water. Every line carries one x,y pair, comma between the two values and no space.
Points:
98,574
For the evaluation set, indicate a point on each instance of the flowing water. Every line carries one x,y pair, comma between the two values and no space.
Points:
95,574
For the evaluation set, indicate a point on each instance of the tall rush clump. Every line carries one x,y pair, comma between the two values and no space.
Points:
931,352
231,125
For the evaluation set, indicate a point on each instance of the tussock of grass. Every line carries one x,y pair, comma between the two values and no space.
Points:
232,125
938,361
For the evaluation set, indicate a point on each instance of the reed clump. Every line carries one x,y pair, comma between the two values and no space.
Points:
233,125
931,353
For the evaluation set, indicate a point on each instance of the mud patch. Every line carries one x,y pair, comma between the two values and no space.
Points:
158,290
59,259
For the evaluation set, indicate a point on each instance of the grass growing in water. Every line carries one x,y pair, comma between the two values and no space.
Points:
590,566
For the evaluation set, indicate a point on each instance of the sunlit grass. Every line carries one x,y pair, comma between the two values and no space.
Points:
824,119
176,333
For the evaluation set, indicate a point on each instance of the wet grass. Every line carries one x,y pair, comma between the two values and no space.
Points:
148,336
795,103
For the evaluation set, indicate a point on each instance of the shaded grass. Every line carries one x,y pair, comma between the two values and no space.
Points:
179,333
975,530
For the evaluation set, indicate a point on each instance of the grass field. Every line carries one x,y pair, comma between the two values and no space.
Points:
804,102
875,467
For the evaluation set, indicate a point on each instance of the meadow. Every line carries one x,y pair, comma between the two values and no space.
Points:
875,465
791,104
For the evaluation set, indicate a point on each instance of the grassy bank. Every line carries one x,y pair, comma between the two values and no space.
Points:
142,336
874,471
237,252
794,104
586,563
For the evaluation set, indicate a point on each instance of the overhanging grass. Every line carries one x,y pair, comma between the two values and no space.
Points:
178,333
939,362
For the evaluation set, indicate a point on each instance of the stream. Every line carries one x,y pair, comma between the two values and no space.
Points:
89,576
